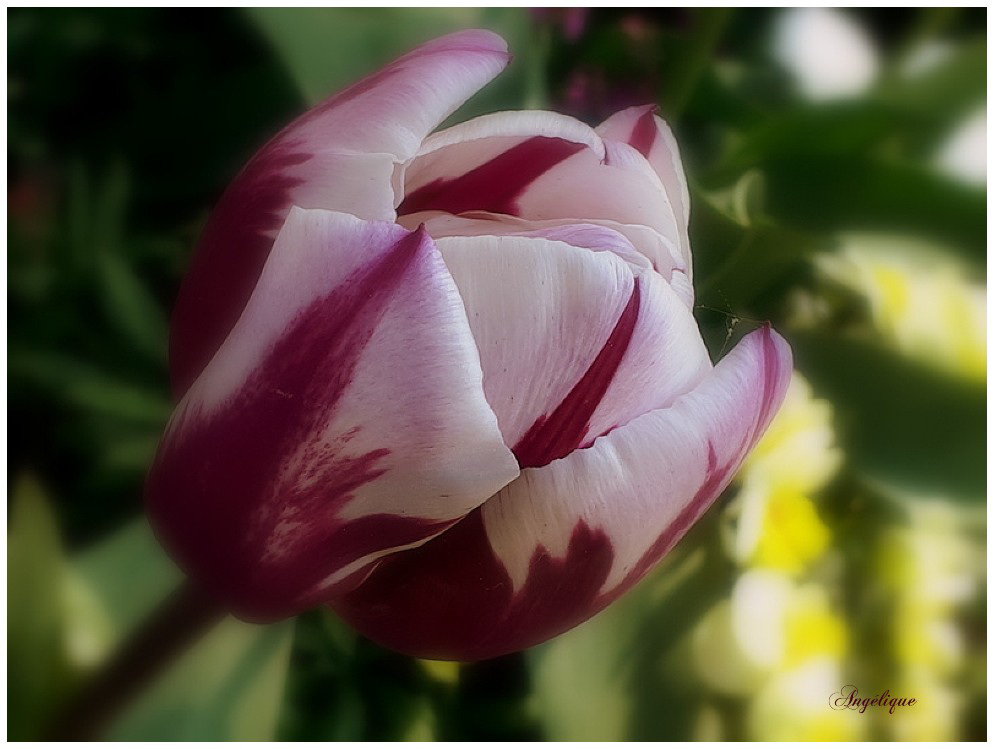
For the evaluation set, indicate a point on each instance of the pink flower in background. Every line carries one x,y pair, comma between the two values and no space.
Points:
448,384
571,21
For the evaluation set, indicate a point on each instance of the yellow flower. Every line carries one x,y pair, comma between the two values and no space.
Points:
921,300
798,450
813,629
776,523
794,706
769,625
793,535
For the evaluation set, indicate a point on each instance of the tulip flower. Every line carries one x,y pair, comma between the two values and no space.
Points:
450,385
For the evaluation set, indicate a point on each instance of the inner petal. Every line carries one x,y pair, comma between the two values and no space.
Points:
541,312
537,167
557,434
641,247
571,341
495,185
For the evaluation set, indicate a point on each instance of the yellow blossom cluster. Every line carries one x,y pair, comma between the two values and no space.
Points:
921,301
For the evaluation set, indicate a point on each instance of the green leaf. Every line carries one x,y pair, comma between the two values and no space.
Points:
228,686
858,191
739,254
128,574
130,306
87,388
945,91
571,676
899,421
35,631
823,129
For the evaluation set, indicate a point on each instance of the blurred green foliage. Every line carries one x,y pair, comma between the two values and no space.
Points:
125,125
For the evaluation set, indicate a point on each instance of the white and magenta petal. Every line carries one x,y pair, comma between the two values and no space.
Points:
535,166
644,484
649,135
564,540
343,418
665,358
541,313
572,343
339,156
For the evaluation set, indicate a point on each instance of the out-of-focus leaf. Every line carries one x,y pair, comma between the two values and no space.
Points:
423,723
128,304
945,90
89,389
580,677
898,420
130,453
827,129
687,67
131,308
738,259
128,573
36,670
228,687
326,49
743,202
856,191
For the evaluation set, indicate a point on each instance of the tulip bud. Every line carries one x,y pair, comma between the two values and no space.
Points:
448,384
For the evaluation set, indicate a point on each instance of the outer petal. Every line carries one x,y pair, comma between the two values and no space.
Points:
571,344
563,541
648,134
344,417
340,156
537,166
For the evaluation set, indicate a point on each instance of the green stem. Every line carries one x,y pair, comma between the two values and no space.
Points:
168,631
491,702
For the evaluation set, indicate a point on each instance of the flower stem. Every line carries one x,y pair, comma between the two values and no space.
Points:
186,614
491,703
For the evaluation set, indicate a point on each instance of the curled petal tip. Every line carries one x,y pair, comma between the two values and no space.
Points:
422,232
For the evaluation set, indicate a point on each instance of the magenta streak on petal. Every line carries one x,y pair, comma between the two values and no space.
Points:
452,597
644,134
771,375
226,485
228,259
716,478
557,434
714,481
495,185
